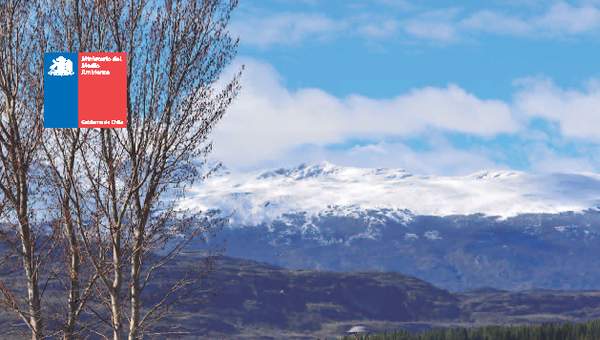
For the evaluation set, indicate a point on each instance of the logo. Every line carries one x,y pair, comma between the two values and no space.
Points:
85,90
61,67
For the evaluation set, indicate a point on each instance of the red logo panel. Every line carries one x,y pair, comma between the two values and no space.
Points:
102,90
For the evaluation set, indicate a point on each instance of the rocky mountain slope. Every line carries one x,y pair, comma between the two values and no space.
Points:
502,229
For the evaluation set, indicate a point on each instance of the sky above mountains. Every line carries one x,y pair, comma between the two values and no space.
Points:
435,87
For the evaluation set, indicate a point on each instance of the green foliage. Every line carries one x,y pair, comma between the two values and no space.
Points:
563,331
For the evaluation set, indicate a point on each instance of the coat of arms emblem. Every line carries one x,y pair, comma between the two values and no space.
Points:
61,67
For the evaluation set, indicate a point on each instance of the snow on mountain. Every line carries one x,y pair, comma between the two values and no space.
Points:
256,197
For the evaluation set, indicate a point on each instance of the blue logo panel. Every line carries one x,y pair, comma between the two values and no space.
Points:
60,90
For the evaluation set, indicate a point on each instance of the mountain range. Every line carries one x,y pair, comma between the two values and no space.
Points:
502,229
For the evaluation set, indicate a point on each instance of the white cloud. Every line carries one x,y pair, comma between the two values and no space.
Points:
264,29
378,29
443,158
284,28
576,111
438,25
271,125
564,18
547,161
431,30
560,19
557,20
269,121
296,27
396,4
492,22
450,108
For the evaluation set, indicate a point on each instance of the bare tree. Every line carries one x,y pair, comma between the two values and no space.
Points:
63,182
117,191
20,136
123,211
175,57
72,26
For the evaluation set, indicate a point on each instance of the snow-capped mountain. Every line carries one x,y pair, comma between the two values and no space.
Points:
264,196
502,229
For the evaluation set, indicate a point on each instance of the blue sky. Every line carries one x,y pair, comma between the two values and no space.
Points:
439,87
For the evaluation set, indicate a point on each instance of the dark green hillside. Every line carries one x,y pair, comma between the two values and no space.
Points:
244,294
244,298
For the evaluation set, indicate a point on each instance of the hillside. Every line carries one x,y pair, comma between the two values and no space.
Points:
249,299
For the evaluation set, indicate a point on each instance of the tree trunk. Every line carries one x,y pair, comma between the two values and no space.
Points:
74,292
136,263
115,298
115,310
31,276
29,263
